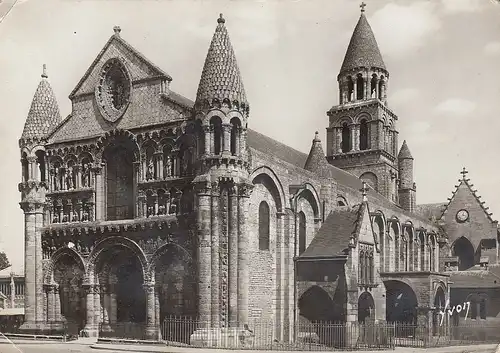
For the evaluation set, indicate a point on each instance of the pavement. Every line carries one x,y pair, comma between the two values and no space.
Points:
87,345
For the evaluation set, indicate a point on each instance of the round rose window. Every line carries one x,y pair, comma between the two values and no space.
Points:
113,90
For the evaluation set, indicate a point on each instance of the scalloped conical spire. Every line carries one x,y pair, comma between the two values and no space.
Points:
44,113
363,49
404,152
316,161
221,77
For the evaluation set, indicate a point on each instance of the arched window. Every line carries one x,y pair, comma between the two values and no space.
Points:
25,165
264,223
360,88
216,128
119,183
235,136
341,201
373,87
40,161
473,308
346,138
370,268
200,138
421,239
363,135
302,232
362,267
432,257
350,89
482,309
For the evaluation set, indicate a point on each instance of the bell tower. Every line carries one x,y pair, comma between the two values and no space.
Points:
362,136
222,110
43,118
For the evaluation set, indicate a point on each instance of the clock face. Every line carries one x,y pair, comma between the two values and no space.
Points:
462,215
113,90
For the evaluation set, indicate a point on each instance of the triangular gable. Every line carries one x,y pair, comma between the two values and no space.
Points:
139,66
479,225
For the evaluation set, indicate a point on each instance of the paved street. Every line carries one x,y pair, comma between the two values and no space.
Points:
6,347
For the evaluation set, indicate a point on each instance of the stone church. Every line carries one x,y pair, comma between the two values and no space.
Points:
142,204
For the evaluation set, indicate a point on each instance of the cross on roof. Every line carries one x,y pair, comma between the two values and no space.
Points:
44,71
464,172
362,6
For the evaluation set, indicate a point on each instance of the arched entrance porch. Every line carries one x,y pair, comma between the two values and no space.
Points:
439,321
401,303
366,308
116,298
316,305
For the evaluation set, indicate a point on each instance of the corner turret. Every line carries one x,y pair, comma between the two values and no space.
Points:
407,187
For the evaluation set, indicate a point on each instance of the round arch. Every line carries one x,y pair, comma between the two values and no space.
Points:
345,120
58,254
366,307
115,135
111,242
163,250
269,178
463,248
309,193
371,179
315,305
401,302
363,115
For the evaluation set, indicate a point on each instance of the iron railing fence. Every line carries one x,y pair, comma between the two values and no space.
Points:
123,330
463,333
264,335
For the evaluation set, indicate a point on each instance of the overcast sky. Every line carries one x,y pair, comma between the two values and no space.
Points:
443,57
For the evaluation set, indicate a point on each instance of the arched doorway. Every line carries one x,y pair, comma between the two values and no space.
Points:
401,302
366,308
463,249
68,295
439,322
121,303
316,305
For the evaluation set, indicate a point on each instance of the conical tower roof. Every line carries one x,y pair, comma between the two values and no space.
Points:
363,49
44,115
221,77
404,152
316,161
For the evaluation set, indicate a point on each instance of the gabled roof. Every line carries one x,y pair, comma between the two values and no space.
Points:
316,161
44,115
363,49
117,38
466,182
333,238
404,152
220,78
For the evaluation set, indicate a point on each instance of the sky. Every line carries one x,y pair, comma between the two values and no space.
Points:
443,57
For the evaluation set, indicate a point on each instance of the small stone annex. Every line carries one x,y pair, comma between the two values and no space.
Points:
143,204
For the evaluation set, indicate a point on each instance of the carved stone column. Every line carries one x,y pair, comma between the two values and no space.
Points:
243,260
57,304
208,140
355,89
237,142
90,324
157,307
226,131
39,261
150,311
233,255
97,306
204,254
136,177
50,303
99,195
243,143
215,254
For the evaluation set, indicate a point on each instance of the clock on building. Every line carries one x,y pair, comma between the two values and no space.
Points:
113,90
462,215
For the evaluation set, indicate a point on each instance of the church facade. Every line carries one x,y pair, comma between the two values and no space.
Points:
143,204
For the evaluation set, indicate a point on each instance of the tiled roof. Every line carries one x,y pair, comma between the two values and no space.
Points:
333,237
220,78
44,113
476,279
363,49
316,161
431,211
404,152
